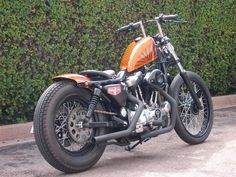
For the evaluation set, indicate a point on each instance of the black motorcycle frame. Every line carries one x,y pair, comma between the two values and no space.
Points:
166,56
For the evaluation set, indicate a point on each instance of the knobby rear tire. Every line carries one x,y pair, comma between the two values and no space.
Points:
46,138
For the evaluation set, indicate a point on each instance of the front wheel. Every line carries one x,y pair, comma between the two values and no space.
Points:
192,125
66,146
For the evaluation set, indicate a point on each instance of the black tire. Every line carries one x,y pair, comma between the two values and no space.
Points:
180,93
53,148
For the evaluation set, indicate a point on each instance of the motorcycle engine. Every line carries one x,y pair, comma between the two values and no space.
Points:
155,112
151,117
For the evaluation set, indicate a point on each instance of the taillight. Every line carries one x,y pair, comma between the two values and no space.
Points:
114,90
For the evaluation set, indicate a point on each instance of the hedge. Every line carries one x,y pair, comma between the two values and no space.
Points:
38,42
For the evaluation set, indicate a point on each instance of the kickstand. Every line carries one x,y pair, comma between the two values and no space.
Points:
129,148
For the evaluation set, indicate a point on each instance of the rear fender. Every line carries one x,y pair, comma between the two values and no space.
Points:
77,78
83,80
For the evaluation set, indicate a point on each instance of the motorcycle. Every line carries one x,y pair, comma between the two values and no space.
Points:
80,114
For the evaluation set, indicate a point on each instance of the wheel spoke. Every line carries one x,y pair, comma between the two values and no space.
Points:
192,120
68,115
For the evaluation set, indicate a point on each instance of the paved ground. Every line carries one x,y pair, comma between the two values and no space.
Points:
164,156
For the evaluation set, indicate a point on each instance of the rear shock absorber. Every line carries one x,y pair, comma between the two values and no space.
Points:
93,102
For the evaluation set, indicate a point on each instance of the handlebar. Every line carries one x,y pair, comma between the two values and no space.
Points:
126,28
129,27
133,26
169,18
160,19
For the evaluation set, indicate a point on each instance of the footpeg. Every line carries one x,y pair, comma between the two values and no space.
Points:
129,148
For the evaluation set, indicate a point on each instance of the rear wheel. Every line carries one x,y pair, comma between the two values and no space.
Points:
193,126
60,139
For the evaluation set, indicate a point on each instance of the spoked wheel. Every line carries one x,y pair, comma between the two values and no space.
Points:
192,125
69,117
59,134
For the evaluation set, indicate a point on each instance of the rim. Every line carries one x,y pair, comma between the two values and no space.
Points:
194,121
69,135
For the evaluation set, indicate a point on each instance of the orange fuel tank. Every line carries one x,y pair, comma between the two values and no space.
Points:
138,54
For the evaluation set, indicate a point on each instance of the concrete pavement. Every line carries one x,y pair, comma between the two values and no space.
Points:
165,155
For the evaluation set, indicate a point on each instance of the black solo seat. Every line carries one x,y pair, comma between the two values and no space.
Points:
98,75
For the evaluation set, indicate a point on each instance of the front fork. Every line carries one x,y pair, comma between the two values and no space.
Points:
190,87
184,76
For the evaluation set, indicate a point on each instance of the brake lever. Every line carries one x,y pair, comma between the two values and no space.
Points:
175,21
179,21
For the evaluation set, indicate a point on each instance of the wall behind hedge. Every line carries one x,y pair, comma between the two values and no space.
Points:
38,42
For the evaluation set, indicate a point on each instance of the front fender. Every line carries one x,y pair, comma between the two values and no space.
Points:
79,79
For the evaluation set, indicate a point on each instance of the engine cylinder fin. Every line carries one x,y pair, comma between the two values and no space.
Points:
156,97
151,99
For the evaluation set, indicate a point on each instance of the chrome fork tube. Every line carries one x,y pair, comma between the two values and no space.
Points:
184,76
171,49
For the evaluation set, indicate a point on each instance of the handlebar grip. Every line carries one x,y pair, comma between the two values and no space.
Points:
125,28
170,17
